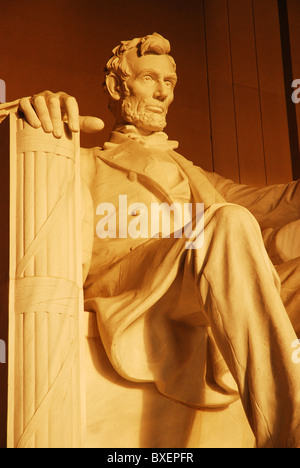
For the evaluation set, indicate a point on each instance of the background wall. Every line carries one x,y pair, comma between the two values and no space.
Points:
232,112
236,61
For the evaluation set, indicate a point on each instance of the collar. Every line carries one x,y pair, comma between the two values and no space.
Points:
157,140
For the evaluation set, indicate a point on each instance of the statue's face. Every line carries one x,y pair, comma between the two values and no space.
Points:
150,91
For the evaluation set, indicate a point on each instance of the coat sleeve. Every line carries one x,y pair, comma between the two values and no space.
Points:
276,208
273,206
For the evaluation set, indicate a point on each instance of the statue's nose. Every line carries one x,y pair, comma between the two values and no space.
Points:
161,91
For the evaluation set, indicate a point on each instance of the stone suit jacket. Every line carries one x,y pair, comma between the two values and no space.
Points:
135,285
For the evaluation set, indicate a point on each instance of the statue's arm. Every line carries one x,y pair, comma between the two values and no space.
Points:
283,244
273,206
277,209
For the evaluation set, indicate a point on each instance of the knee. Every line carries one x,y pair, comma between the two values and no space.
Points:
236,218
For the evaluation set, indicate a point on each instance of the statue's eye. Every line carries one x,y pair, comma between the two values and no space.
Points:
147,78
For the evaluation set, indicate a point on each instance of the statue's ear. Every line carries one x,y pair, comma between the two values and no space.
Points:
113,86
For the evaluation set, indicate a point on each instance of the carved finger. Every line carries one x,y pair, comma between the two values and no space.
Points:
56,116
29,113
70,106
90,124
43,114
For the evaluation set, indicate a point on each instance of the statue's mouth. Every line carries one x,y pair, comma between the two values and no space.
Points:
155,109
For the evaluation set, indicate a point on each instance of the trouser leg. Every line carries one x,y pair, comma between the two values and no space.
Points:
240,293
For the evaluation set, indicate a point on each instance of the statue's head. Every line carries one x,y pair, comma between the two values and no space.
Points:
140,79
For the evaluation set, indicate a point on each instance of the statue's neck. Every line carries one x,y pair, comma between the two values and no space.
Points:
154,140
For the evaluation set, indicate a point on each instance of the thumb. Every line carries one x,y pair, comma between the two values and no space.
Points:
90,124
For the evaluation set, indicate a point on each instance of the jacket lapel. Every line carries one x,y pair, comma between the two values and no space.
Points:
129,156
203,191
132,157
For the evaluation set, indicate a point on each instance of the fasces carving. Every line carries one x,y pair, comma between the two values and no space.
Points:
45,289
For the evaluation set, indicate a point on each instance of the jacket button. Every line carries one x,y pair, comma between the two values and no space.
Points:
132,176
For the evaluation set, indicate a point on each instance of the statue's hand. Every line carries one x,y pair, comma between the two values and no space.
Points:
49,110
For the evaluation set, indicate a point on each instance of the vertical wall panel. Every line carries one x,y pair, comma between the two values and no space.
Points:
293,7
191,107
250,128
202,114
272,92
223,119
246,93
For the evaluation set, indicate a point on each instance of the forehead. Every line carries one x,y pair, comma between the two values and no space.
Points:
160,63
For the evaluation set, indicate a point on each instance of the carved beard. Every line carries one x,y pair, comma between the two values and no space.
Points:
145,120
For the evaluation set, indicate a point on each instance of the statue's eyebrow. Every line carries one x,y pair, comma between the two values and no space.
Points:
147,71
